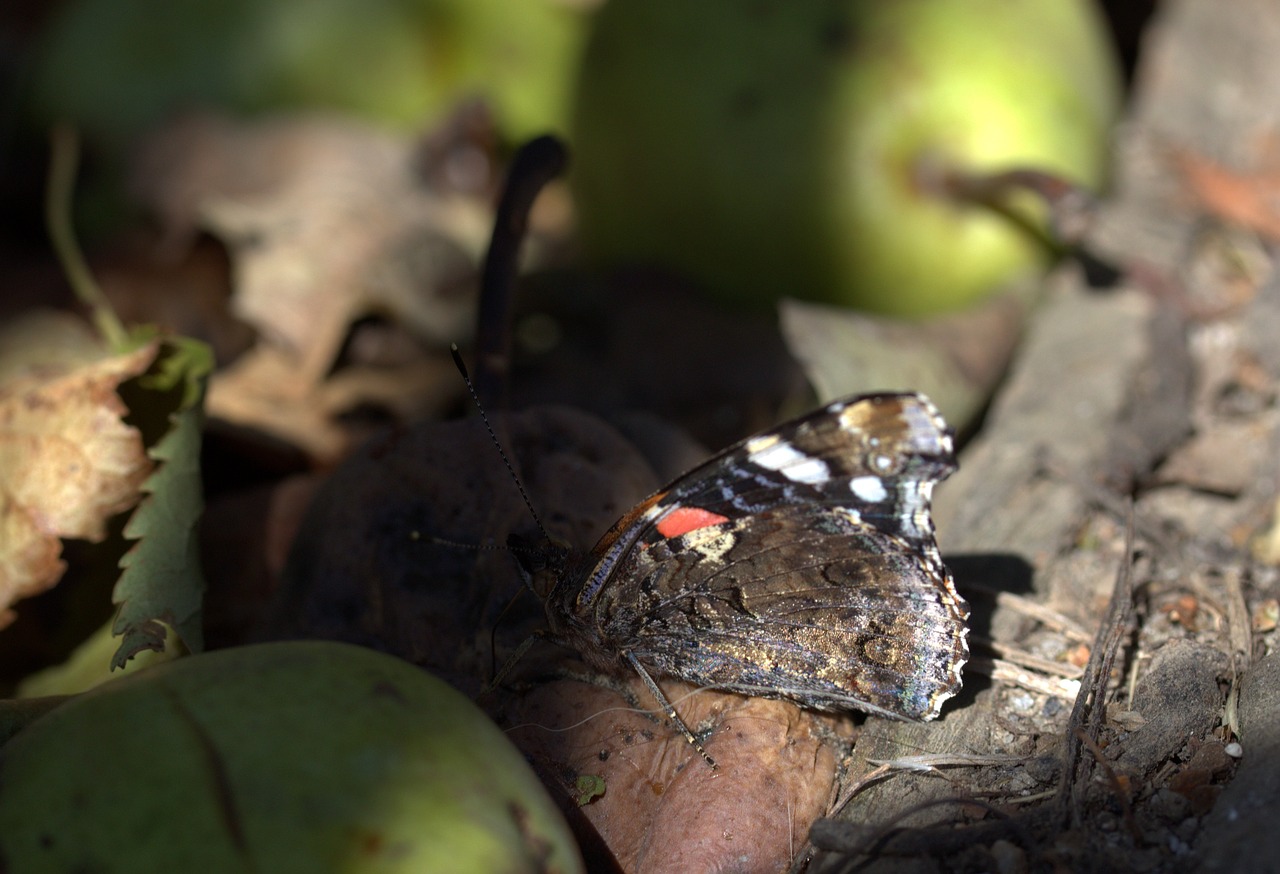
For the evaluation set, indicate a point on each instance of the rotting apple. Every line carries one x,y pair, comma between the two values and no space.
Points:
772,149
296,756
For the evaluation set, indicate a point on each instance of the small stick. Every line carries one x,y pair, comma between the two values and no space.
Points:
534,165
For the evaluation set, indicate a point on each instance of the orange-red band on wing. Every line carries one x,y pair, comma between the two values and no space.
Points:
682,520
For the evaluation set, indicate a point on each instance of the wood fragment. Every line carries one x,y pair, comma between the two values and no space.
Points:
1089,712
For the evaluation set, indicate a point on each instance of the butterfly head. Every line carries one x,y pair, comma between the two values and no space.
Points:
542,560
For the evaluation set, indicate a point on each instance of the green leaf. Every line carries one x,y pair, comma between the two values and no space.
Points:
161,586
589,787
89,665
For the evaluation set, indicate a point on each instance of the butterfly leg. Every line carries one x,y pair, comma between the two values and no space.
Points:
668,707
510,663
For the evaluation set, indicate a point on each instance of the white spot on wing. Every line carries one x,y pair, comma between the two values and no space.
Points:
790,462
811,471
851,514
868,488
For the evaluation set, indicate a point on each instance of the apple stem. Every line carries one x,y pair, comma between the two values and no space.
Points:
1070,206
1071,210
535,164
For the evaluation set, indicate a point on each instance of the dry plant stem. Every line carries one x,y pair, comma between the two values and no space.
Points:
1089,712
1240,635
1239,626
64,158
935,761
1113,780
1046,616
1013,675
534,165
1070,206
1023,659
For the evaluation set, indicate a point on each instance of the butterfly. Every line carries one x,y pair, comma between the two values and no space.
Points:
800,563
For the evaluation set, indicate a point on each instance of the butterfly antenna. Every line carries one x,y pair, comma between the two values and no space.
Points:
456,544
462,369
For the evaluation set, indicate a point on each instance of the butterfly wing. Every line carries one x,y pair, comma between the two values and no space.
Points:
800,563
804,603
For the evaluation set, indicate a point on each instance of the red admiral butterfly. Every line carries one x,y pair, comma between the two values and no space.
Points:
799,564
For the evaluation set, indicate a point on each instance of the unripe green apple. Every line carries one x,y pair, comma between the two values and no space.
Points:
774,149
115,67
282,757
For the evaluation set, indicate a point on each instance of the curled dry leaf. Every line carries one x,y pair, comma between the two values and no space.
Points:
67,460
327,222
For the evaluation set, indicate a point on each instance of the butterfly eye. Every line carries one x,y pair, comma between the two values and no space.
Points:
542,582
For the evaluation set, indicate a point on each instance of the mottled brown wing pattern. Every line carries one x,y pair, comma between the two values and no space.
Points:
802,602
800,563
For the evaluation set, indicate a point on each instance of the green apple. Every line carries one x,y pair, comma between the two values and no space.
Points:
772,149
115,67
281,757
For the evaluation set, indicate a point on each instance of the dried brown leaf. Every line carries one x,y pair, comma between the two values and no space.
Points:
956,358
262,389
67,461
326,221
1250,199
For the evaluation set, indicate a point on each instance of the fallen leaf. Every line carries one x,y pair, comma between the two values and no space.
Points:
1250,198
261,389
67,460
161,587
326,222
956,359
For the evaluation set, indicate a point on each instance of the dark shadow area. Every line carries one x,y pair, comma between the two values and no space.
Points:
998,571
1100,275
978,577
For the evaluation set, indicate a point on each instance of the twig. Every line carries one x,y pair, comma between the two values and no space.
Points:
64,157
877,842
534,165
1024,659
1006,672
1089,711
1046,616
1071,207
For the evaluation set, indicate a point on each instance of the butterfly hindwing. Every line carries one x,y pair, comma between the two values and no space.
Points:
802,602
